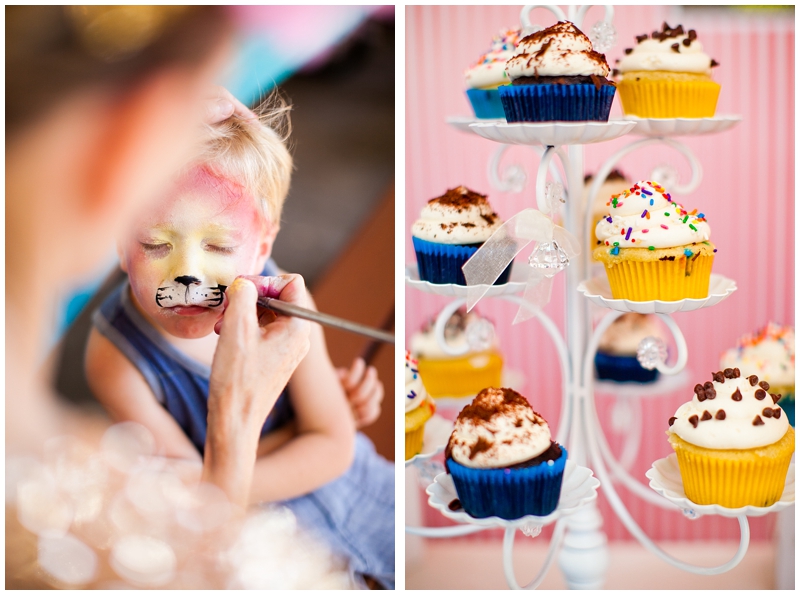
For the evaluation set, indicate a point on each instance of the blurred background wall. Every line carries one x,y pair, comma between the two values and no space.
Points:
336,67
747,192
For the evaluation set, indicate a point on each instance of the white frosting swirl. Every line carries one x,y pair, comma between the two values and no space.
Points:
490,71
415,390
654,54
627,331
505,431
745,422
768,353
560,50
458,217
646,216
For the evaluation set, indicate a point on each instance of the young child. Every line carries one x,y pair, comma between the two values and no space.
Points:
149,354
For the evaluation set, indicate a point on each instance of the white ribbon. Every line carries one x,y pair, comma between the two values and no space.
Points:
491,259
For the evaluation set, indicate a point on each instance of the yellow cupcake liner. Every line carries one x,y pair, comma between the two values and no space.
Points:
462,376
664,98
734,478
414,441
665,280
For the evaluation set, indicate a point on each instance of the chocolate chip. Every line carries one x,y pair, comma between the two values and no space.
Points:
718,377
767,412
764,384
706,416
614,72
707,385
694,421
676,48
687,42
736,372
728,373
711,393
455,505
720,414
672,420
761,394
701,396
641,38
692,34
714,63
628,50
698,388
753,380
758,421
736,396
776,413
775,398
678,30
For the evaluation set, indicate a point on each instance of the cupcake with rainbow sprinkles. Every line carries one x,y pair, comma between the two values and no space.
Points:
654,248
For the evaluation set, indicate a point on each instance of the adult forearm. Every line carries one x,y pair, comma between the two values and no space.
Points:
304,464
229,460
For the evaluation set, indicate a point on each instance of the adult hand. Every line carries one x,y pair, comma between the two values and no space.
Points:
256,355
221,104
364,391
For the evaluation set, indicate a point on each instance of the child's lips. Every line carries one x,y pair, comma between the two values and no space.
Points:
189,310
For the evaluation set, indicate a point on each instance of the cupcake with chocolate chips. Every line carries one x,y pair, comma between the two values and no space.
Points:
667,75
502,459
733,442
449,231
556,76
653,248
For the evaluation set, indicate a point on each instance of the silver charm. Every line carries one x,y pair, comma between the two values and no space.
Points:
480,335
603,36
651,352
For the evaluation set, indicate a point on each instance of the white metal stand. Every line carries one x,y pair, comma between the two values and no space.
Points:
578,538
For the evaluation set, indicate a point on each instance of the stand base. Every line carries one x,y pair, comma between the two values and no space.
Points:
584,557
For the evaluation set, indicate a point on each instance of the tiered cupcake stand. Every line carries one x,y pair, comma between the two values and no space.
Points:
577,539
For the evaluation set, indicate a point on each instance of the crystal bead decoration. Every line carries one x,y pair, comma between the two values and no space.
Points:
531,530
480,334
666,175
553,196
651,352
549,257
603,36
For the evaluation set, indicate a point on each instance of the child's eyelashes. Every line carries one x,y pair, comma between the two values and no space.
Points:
220,249
157,250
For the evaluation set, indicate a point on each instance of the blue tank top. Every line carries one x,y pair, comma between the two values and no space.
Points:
354,513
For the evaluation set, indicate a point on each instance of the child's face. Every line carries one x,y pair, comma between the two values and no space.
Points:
181,256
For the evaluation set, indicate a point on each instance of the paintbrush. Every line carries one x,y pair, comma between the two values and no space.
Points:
324,319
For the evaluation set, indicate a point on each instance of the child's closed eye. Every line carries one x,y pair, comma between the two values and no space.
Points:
156,250
220,249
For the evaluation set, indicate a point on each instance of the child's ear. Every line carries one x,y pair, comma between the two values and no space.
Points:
265,243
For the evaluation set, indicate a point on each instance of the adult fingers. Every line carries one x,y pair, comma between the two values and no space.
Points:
240,315
288,288
221,104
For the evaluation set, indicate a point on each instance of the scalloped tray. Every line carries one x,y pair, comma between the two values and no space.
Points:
664,384
515,284
462,123
552,133
437,433
598,291
682,126
578,487
665,479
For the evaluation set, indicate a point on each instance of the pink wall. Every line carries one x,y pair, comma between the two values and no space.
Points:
747,193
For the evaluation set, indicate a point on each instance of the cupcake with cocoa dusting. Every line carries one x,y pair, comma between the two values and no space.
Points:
449,231
733,442
667,75
502,459
556,76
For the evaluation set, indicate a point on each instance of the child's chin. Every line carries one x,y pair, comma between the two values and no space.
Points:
192,328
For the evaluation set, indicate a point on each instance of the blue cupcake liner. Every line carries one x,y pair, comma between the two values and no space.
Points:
441,263
486,103
622,368
787,404
509,493
549,103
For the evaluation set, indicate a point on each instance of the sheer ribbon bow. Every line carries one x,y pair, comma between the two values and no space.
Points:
554,247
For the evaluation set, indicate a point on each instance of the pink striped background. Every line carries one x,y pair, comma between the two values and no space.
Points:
747,193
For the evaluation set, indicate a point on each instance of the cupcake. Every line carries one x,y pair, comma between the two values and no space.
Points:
667,75
457,375
555,75
653,248
616,353
484,77
502,459
419,408
449,231
615,183
733,444
768,353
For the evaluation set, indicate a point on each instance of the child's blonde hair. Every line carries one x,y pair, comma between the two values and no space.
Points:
254,154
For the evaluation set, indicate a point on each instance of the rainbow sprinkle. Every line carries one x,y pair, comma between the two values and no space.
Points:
628,235
615,250
687,252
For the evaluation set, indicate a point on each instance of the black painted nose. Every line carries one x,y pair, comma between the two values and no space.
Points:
187,280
